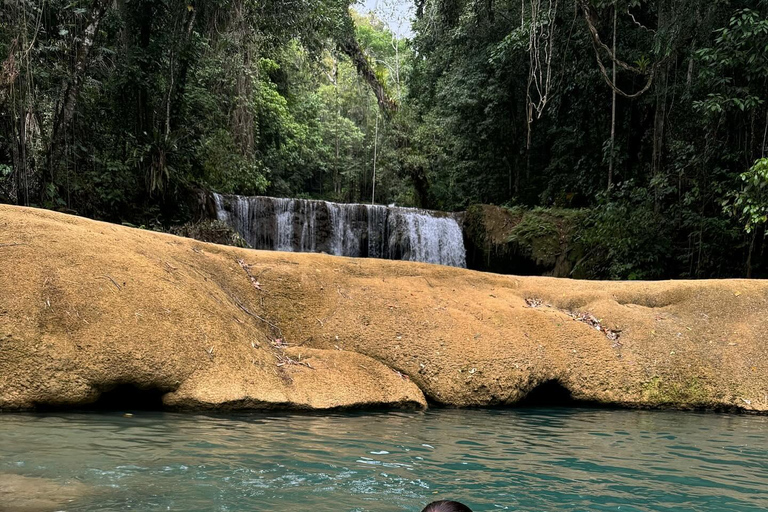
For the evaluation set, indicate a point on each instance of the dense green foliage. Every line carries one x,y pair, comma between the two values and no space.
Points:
514,104
238,96
651,115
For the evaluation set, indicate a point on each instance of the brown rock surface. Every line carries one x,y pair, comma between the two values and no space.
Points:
86,306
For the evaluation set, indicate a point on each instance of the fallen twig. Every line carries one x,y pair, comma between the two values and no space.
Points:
247,268
12,244
583,317
105,276
248,312
257,317
284,360
592,321
400,374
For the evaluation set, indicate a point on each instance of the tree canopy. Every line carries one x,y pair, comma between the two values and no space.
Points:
649,114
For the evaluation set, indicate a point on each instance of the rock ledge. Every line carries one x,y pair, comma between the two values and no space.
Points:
87,307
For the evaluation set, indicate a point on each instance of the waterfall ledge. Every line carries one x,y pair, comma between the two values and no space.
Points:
354,230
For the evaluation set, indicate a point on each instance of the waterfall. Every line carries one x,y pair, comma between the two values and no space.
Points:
354,230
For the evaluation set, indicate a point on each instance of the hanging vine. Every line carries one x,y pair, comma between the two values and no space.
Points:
601,48
541,47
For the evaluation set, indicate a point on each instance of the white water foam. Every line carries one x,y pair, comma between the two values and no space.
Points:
352,230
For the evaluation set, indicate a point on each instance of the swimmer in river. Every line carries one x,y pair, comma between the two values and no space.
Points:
446,506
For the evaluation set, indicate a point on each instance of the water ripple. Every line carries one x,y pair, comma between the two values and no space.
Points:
525,460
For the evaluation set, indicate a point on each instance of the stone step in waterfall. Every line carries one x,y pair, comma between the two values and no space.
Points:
355,230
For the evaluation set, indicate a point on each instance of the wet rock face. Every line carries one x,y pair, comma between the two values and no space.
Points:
212,231
353,230
485,237
524,242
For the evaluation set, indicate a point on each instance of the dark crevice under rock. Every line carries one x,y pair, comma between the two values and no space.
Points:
552,393
118,398
128,397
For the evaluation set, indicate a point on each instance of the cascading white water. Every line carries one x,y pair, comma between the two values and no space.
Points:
353,230
284,221
345,239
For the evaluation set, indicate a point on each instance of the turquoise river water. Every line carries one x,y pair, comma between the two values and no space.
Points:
542,460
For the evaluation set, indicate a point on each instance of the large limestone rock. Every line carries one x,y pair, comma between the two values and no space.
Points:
86,307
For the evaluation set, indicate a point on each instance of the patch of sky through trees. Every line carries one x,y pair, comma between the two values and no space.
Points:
397,14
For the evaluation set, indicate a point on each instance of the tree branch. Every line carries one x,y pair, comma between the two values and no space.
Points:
598,45
347,44
351,48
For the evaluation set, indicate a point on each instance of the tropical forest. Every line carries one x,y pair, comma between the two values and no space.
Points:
634,131
383,255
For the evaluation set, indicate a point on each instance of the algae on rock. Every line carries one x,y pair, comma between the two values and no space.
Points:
212,231
541,241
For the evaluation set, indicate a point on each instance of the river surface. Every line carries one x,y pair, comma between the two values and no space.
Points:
542,460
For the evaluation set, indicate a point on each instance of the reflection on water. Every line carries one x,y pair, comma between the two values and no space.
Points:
525,460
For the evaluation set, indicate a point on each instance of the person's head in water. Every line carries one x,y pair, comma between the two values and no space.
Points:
446,506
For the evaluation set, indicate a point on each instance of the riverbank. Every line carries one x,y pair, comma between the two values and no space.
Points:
89,308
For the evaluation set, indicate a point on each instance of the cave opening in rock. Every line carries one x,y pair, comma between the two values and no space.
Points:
129,397
550,393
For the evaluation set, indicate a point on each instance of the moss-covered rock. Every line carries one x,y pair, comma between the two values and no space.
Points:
524,242
212,231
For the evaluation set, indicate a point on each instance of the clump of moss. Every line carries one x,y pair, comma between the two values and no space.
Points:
213,231
689,392
541,241
545,234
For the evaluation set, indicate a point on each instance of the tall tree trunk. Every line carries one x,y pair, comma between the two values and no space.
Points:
71,89
658,132
749,254
184,63
20,156
243,119
375,154
613,107
336,178
180,61
144,107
